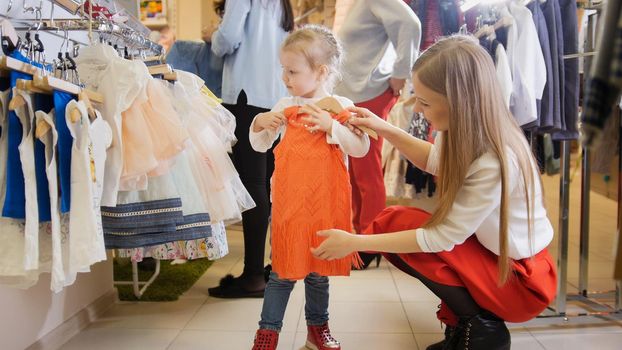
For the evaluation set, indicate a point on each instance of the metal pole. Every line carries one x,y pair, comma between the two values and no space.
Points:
619,230
584,243
564,201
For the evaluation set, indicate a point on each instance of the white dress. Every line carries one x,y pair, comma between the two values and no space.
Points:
27,244
83,229
59,245
12,238
121,82
223,192
101,137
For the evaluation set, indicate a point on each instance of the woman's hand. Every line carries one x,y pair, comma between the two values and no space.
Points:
268,120
338,244
364,117
318,119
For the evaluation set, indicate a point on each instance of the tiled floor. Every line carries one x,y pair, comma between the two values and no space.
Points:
376,309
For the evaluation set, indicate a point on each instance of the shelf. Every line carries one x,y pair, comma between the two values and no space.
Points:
155,23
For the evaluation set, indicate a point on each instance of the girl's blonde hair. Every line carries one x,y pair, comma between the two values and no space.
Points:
320,47
479,121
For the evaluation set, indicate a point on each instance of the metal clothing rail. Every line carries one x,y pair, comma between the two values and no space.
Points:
91,19
129,36
592,300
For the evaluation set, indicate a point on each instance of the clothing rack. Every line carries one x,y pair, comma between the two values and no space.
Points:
590,299
129,30
138,291
129,33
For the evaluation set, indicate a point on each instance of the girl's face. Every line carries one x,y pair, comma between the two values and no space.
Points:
299,77
433,106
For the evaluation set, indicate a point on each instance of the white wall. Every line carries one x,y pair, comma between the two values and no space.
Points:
28,315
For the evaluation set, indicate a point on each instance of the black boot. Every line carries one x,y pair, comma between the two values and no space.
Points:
484,331
445,343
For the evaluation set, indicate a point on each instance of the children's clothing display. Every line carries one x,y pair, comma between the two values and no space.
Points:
147,173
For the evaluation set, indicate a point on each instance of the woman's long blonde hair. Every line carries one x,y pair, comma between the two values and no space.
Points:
479,121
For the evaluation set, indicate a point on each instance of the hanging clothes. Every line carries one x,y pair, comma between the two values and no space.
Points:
544,105
552,16
529,75
65,144
570,30
15,196
59,243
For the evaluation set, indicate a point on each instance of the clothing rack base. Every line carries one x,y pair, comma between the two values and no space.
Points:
138,291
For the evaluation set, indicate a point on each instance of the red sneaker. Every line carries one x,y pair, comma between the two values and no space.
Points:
319,338
266,339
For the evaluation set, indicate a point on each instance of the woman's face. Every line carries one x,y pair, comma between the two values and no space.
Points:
433,106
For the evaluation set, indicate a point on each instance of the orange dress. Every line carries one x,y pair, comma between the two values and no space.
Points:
310,192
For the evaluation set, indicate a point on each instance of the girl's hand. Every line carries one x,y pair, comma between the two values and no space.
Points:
338,244
318,119
364,117
268,120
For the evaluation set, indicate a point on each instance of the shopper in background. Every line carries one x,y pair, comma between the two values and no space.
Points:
249,39
197,57
484,250
310,187
167,38
381,41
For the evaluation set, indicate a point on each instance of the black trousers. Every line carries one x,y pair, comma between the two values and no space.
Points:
255,171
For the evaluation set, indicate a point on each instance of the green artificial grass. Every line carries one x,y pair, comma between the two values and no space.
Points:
172,282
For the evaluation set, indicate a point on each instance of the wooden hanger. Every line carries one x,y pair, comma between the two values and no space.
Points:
170,76
8,64
8,32
332,105
160,69
16,102
41,128
160,58
51,83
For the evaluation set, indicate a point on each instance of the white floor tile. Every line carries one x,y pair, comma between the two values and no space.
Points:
426,339
574,325
366,341
150,315
373,272
375,290
551,341
422,317
121,339
364,317
239,315
194,340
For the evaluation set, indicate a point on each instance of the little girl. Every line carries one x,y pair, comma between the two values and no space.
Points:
310,186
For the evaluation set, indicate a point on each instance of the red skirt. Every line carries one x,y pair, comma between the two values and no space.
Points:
529,290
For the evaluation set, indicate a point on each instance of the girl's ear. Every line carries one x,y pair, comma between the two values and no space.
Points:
324,71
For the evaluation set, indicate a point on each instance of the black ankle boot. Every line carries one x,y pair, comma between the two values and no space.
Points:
445,343
482,332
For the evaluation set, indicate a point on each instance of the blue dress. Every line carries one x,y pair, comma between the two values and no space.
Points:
42,103
65,142
15,200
